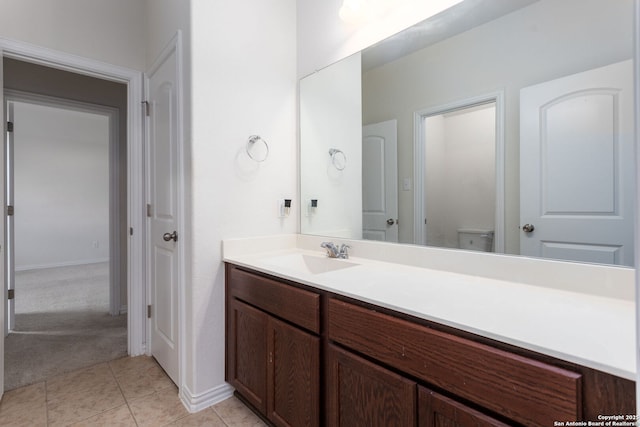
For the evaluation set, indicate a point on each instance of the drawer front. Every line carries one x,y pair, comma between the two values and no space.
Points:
287,302
522,389
436,410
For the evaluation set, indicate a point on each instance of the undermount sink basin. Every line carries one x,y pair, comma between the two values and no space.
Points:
308,263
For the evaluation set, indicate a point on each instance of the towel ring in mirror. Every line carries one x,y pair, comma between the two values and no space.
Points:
255,150
338,158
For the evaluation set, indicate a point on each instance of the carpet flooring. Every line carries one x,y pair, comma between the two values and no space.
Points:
62,324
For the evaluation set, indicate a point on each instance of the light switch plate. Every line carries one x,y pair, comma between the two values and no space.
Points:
406,184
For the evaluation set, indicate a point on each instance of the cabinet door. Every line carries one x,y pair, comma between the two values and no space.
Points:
361,393
436,410
247,353
293,397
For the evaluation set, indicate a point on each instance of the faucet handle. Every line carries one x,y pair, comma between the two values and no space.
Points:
344,251
332,249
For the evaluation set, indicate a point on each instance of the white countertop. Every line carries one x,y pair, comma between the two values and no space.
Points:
593,330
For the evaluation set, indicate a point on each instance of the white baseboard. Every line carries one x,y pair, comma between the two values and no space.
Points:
198,402
61,264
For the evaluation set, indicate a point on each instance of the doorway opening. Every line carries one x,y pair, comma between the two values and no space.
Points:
459,175
64,253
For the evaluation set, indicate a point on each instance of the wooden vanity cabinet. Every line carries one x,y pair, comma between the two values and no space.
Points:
274,364
436,410
518,388
349,363
247,370
361,393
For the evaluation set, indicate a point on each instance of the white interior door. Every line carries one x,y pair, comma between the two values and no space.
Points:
164,240
380,181
576,167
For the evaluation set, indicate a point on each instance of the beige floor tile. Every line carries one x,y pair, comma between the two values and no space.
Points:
72,406
76,382
93,397
117,417
158,409
206,417
234,413
25,406
139,376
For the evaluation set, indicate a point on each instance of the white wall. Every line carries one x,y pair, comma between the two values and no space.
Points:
323,38
240,79
61,186
460,174
337,99
106,30
243,83
162,19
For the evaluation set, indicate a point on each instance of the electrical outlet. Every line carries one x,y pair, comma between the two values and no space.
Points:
95,244
284,208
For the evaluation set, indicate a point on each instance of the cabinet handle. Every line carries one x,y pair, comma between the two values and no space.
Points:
270,357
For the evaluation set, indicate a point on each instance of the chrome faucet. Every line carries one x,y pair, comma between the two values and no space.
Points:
334,252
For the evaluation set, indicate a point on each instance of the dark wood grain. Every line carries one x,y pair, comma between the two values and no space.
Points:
436,410
248,369
363,394
298,306
606,394
522,389
293,397
463,368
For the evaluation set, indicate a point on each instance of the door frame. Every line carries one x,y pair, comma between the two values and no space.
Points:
419,151
114,177
135,166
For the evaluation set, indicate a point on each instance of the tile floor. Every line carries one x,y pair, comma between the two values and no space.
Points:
132,391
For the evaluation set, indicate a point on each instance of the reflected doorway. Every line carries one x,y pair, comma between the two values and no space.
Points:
459,175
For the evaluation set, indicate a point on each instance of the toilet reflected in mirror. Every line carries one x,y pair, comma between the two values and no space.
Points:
475,240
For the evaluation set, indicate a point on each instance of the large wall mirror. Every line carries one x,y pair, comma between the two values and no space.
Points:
500,126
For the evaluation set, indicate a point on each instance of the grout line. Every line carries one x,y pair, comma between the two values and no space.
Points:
126,401
46,403
105,410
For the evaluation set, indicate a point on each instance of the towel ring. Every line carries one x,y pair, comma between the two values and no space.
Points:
338,158
253,139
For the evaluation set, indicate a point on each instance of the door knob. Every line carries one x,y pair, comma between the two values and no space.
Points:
390,221
528,228
170,236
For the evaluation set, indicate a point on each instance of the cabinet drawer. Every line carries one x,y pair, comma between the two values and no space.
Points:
436,410
522,389
285,301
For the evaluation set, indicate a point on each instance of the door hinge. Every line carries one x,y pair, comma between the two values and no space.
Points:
9,126
149,212
130,231
10,210
148,312
11,293
147,108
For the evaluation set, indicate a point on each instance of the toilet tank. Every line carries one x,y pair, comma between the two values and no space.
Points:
475,239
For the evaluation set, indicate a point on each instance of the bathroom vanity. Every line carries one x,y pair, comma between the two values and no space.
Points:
314,341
